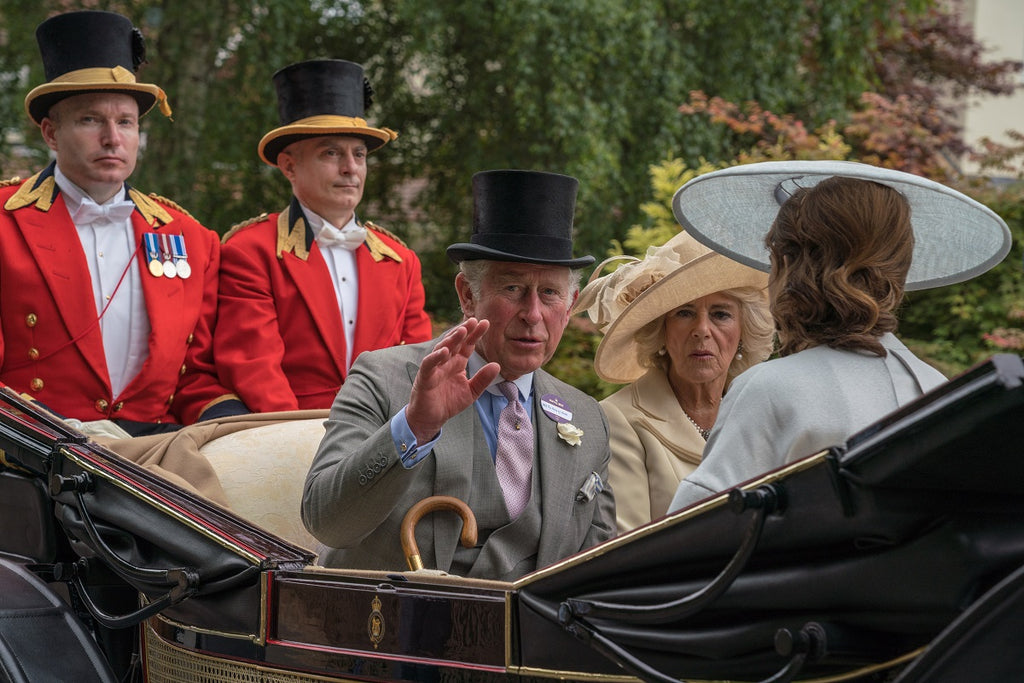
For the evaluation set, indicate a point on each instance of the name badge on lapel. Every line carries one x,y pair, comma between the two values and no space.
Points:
558,410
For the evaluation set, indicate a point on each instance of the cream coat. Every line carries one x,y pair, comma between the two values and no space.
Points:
654,447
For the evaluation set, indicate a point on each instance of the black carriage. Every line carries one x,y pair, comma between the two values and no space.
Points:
896,556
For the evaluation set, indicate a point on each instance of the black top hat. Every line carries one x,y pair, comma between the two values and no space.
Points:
321,97
523,216
91,51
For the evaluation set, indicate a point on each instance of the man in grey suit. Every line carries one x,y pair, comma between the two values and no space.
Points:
424,419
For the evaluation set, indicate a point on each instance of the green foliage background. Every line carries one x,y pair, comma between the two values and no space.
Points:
584,87
591,88
957,326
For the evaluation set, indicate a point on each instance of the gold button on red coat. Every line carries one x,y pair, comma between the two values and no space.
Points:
36,384
31,319
183,369
170,399
33,354
190,338
118,406
102,405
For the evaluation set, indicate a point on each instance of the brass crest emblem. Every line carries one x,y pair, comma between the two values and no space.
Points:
375,624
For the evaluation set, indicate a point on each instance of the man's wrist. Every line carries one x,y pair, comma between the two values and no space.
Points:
411,449
423,434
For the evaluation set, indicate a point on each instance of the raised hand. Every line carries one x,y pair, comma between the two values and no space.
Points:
442,389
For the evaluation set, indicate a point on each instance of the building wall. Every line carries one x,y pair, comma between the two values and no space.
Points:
999,27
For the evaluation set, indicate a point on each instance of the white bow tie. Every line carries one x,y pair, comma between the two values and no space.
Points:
349,239
91,212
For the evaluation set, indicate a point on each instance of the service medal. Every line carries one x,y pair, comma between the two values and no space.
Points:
165,252
156,269
180,256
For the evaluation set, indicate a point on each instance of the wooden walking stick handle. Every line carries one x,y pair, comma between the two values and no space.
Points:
425,507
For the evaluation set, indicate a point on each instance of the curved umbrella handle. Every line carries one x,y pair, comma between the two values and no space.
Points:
424,507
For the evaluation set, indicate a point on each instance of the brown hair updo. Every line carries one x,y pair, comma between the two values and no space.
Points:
840,254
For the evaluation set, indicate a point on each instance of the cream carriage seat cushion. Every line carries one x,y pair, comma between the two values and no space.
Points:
263,469
255,464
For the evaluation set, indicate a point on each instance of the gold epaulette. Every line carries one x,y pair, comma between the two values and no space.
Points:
150,208
292,238
244,224
10,181
380,249
171,203
42,196
374,226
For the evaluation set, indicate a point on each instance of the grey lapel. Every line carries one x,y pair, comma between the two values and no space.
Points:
561,467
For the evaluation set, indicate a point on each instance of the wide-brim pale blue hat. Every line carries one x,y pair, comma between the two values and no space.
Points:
731,210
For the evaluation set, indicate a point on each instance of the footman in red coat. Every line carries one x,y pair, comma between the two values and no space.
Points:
305,291
107,295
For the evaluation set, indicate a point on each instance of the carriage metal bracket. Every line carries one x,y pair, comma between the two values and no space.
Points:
181,582
185,589
810,643
840,484
764,501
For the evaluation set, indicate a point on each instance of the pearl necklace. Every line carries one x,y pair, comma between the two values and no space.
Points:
700,430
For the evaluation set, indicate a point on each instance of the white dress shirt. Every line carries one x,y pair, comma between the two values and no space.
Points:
108,243
341,262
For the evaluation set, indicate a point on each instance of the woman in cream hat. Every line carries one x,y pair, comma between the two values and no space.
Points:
679,325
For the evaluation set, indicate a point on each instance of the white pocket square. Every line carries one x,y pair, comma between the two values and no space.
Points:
591,487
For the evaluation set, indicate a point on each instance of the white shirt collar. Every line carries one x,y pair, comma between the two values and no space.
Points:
317,222
74,195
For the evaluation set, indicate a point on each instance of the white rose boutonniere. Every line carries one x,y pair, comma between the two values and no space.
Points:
570,433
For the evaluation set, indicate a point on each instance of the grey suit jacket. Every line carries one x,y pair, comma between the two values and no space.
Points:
357,490
784,409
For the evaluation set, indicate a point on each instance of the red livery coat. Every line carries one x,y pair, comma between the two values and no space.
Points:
279,342
51,347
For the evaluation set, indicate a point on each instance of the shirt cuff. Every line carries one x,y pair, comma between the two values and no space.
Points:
405,441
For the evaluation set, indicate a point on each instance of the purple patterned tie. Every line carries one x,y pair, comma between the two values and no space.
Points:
514,458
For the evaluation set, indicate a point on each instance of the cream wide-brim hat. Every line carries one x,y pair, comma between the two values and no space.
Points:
731,210
638,292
